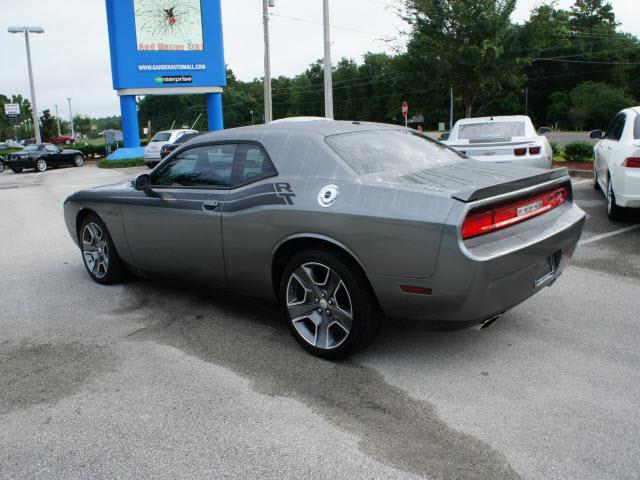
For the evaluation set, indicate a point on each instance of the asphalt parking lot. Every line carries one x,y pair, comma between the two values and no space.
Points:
157,380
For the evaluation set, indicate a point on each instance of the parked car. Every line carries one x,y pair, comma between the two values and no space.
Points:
170,147
10,144
63,139
616,162
27,141
152,151
508,139
41,156
342,222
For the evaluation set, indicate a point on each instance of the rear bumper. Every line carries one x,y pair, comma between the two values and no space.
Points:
27,163
626,186
488,286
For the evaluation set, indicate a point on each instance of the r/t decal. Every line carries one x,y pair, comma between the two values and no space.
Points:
285,191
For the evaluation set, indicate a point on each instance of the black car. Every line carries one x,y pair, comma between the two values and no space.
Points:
170,147
41,156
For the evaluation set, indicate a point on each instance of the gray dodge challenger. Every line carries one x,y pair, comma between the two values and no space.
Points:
344,223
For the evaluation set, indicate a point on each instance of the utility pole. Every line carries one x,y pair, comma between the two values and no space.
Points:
73,132
268,104
526,96
58,120
34,108
450,108
328,83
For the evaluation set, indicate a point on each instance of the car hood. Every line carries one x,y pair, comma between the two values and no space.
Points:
469,180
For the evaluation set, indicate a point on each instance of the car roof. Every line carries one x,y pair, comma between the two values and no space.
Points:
503,118
177,130
319,127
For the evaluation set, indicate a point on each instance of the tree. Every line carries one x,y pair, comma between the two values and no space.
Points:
464,41
594,104
48,126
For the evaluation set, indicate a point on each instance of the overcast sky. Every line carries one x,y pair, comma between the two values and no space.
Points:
72,58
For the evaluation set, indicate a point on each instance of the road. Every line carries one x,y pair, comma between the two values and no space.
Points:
150,380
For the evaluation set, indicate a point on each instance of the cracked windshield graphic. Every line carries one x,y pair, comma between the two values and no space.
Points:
168,25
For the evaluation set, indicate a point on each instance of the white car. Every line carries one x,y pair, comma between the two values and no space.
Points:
152,150
616,162
507,139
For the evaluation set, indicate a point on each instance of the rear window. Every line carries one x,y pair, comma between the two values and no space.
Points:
490,130
636,128
388,150
161,137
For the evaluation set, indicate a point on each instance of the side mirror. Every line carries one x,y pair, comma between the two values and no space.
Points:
142,182
444,136
544,130
596,134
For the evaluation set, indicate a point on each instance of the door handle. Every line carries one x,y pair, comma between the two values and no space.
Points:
210,205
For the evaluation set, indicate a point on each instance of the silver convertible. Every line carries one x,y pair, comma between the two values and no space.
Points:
344,223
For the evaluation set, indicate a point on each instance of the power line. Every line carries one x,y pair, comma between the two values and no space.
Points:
320,23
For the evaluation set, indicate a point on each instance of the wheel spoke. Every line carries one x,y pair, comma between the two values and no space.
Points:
323,336
301,310
88,247
303,276
342,319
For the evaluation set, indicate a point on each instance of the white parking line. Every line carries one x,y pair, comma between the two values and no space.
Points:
578,182
602,236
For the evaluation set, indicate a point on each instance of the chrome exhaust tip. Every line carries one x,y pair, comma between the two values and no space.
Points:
487,323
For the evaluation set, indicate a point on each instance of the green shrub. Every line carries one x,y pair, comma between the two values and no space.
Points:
555,148
130,162
579,151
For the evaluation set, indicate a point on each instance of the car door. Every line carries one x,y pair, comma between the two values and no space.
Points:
51,155
609,147
175,227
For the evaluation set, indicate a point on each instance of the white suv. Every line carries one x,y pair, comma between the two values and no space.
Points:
152,151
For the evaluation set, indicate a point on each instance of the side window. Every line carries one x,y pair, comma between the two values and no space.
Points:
636,128
51,148
207,166
616,128
252,164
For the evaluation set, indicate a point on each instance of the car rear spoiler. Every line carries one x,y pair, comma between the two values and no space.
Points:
480,193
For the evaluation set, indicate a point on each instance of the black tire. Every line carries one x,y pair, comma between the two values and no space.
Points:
614,212
41,165
78,161
366,315
114,271
16,169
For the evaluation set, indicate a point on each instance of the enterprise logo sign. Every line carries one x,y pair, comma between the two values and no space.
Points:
173,79
171,67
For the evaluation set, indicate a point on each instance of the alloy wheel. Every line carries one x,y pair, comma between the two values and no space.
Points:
319,305
95,250
78,160
609,197
41,165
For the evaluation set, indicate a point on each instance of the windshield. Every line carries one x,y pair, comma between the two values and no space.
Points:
31,148
491,130
161,137
390,150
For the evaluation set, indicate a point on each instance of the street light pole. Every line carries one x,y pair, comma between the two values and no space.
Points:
268,104
73,133
450,108
328,83
34,109
58,120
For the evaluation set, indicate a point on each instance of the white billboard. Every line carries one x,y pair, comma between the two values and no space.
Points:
168,25
12,109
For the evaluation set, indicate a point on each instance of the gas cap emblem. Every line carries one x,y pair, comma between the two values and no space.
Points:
328,195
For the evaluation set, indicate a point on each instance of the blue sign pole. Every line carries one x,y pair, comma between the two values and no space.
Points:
129,110
214,111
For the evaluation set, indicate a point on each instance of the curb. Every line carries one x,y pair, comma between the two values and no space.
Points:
580,173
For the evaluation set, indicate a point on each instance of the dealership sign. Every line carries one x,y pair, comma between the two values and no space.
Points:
164,44
12,110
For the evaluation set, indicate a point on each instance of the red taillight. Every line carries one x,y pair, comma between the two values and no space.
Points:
534,150
501,216
518,152
414,289
631,162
